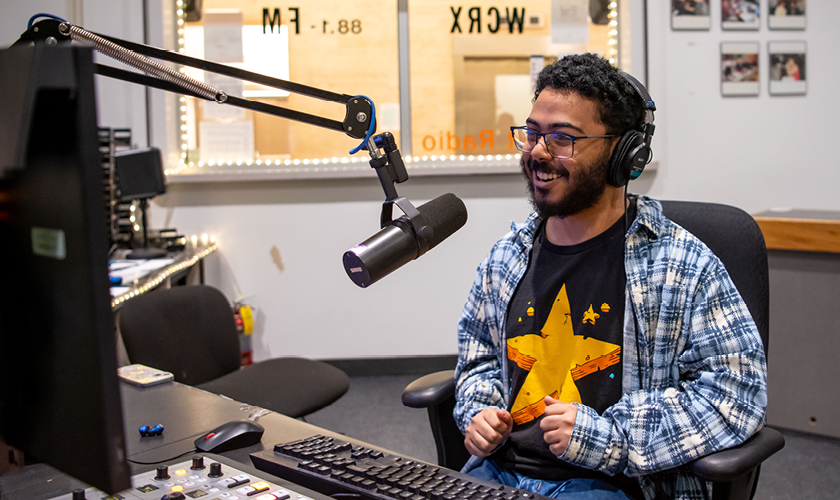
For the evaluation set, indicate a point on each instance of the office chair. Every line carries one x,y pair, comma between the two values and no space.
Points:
734,236
191,332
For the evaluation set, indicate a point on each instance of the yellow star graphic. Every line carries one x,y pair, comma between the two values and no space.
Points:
551,357
590,316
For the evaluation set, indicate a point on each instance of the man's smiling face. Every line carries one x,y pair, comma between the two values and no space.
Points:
560,187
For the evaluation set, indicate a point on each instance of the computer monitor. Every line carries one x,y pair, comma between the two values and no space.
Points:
59,391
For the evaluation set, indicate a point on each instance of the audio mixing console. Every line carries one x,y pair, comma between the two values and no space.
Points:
205,477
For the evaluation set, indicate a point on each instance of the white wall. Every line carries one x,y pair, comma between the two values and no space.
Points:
119,104
307,305
752,152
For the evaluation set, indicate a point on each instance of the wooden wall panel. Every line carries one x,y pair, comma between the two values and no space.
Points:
442,73
367,63
364,63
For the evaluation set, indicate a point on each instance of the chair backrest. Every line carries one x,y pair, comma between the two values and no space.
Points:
735,237
187,330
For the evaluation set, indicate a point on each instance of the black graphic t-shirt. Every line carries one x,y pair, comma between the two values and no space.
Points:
564,334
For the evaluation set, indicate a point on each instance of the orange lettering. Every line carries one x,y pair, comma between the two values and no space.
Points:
486,136
449,137
469,142
429,138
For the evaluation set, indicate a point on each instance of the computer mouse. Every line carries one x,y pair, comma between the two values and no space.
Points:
230,436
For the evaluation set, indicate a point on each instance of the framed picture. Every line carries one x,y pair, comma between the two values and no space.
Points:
739,69
740,14
690,15
786,15
788,74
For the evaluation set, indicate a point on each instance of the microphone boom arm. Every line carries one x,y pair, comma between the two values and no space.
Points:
356,122
390,169
359,120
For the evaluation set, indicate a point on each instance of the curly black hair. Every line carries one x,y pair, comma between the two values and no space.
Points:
592,76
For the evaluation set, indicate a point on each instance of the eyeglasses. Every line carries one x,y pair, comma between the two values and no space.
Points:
557,144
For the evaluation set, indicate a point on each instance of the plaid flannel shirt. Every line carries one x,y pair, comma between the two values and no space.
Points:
703,373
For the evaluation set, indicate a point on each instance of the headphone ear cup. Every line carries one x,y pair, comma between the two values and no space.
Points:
631,144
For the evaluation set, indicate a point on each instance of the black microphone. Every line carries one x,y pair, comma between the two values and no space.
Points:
398,243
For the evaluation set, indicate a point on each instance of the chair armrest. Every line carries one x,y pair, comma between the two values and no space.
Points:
729,464
430,390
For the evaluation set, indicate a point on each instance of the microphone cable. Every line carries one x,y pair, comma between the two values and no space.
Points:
43,14
371,127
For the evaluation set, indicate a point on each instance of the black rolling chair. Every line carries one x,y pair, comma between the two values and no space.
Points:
191,332
734,236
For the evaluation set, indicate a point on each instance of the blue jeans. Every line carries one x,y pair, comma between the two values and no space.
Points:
573,489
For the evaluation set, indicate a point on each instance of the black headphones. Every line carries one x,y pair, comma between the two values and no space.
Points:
633,151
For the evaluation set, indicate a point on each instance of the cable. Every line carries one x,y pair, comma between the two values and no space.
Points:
626,203
632,306
42,14
194,450
370,128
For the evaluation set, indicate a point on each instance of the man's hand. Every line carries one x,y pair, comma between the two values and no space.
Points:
487,430
557,424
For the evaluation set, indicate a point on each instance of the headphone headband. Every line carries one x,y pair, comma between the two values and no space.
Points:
633,150
649,105
641,90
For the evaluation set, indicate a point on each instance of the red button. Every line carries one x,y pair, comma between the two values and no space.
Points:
209,436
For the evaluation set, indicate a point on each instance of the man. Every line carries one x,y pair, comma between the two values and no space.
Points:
602,347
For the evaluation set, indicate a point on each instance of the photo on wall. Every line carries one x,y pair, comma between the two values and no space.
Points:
739,74
690,15
786,15
740,14
787,68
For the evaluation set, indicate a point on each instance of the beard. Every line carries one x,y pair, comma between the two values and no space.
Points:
589,185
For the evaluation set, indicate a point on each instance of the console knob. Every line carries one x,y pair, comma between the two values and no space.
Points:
215,469
197,463
162,473
79,494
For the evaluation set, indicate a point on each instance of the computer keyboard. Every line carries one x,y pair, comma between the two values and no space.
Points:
330,465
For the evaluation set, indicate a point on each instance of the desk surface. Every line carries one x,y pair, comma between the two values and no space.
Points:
797,229
185,413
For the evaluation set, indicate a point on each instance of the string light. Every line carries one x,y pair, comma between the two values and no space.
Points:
183,100
335,164
165,273
612,43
